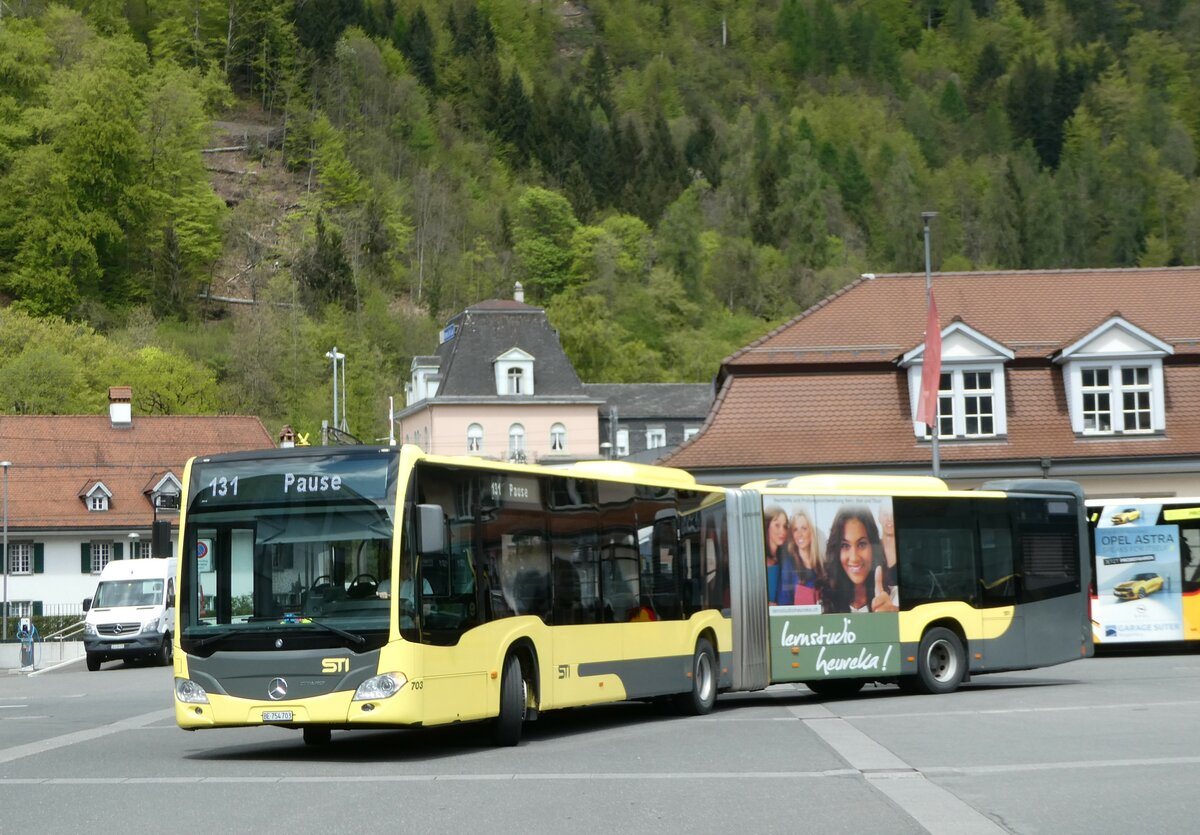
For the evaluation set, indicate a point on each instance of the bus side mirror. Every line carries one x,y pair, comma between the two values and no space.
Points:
170,601
431,531
87,603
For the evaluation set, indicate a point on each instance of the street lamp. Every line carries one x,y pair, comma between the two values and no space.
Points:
926,217
335,356
5,465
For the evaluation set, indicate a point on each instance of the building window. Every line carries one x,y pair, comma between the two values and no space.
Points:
978,409
515,376
98,502
558,438
20,558
20,608
101,555
1135,398
475,438
1117,399
966,404
516,442
690,432
1097,400
656,437
141,550
622,442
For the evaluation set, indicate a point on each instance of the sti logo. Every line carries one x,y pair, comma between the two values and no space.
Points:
335,665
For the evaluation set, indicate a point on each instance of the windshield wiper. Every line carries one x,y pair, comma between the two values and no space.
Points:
213,639
357,640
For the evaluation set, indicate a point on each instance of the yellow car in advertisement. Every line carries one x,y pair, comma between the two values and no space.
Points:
1139,585
1124,517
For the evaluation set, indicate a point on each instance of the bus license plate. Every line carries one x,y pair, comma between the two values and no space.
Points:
277,716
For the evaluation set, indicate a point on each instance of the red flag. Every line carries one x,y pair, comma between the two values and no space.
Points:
931,368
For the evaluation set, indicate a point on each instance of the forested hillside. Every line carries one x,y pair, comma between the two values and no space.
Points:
669,178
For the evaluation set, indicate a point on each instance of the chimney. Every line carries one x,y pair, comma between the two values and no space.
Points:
519,293
120,406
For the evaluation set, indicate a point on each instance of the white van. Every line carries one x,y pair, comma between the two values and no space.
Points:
133,612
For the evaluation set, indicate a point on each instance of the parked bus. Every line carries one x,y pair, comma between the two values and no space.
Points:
358,587
1147,587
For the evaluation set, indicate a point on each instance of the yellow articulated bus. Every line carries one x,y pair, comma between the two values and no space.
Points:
383,587
1147,588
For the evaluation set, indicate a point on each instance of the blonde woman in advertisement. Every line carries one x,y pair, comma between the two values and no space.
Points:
775,533
855,565
803,565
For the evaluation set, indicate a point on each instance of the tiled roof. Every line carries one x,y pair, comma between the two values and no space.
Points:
860,418
665,401
53,456
485,331
1033,313
824,390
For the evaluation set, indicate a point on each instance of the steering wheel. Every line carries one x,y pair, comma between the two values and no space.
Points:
363,584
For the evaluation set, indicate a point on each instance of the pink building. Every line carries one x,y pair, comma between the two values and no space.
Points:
500,386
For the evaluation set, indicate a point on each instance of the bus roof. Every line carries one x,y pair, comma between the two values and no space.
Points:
624,471
851,483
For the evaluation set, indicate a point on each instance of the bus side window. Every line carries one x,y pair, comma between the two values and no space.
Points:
997,578
1189,555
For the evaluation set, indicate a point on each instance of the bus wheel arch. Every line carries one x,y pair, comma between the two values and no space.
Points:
941,660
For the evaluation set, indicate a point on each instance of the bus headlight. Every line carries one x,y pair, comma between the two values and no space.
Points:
380,687
190,692
150,625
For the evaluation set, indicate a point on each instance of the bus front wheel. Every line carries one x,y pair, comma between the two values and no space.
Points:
941,662
703,694
513,702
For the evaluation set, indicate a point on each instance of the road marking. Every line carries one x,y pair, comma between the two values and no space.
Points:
7,755
930,805
941,810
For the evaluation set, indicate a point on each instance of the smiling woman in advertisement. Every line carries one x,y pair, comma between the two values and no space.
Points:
856,569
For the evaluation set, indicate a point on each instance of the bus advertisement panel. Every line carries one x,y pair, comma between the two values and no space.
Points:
1146,570
831,575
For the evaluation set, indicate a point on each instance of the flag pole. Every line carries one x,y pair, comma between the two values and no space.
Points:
933,430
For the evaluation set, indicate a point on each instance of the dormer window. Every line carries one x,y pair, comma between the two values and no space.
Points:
1114,380
97,497
514,373
970,388
424,380
164,491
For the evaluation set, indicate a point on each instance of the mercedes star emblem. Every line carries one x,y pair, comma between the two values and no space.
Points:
277,689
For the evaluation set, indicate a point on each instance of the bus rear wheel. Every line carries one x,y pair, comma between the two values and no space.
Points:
941,662
514,700
703,694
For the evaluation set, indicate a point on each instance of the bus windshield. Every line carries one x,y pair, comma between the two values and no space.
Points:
298,546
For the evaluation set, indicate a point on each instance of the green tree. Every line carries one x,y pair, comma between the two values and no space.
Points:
168,383
543,226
